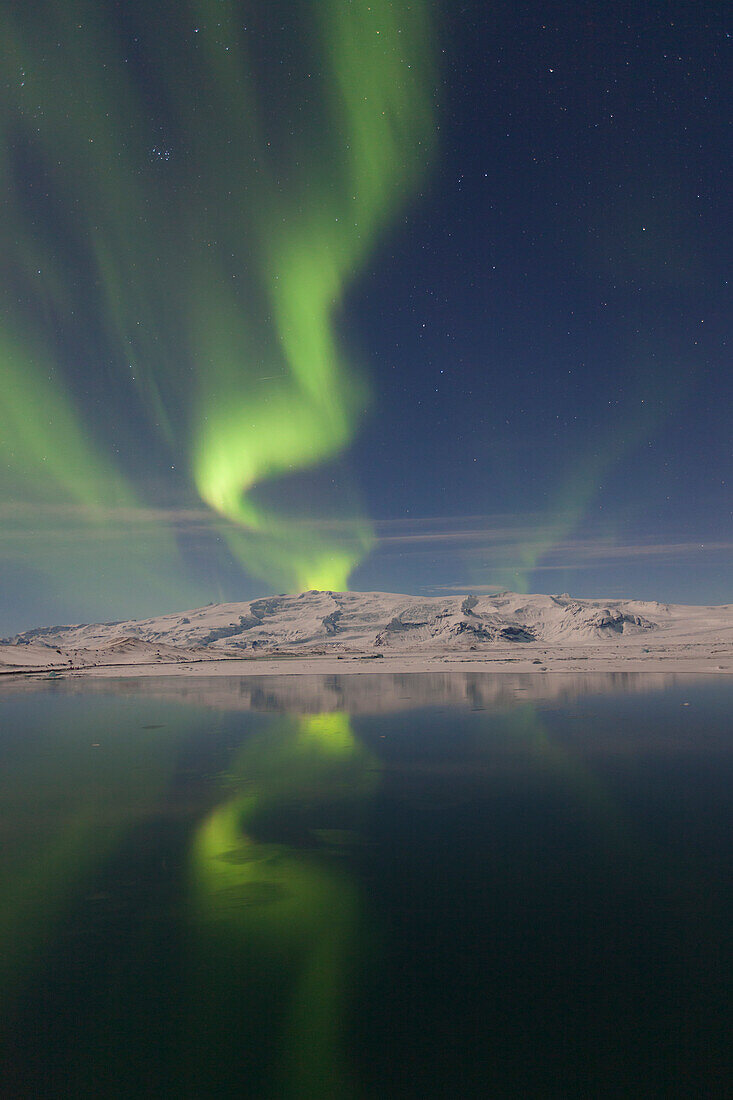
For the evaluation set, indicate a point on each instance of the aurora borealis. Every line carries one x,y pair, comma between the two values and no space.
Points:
213,306
382,295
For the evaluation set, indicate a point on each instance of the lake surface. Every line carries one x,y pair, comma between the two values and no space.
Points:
366,886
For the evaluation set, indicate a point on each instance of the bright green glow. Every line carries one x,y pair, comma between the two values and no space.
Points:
331,733
187,309
249,433
287,911
312,238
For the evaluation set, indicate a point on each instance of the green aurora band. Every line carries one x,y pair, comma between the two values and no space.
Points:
571,500
187,237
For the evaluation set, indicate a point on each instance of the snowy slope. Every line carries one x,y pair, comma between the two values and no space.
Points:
357,622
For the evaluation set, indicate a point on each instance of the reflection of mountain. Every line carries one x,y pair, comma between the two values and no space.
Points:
306,904
370,693
358,622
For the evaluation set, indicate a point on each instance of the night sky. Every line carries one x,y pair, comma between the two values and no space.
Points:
328,294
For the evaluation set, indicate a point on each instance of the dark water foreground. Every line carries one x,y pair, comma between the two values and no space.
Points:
415,886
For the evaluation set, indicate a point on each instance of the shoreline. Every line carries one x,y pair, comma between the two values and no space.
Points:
696,658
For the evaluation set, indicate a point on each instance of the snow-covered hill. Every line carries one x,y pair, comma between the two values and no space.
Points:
359,622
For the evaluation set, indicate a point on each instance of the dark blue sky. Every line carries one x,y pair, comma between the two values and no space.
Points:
511,370
561,290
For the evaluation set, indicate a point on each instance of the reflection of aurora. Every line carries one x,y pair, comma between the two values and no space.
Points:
262,990
270,899
272,906
573,775
286,892
71,806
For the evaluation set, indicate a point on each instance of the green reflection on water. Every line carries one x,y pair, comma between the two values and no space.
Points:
266,917
70,792
268,891
574,775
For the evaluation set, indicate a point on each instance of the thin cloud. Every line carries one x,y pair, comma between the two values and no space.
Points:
496,539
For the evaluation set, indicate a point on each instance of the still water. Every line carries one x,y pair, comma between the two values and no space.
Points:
366,886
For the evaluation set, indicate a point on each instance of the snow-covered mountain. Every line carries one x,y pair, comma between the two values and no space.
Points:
358,622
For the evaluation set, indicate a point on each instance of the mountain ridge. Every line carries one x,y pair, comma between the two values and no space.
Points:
354,622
